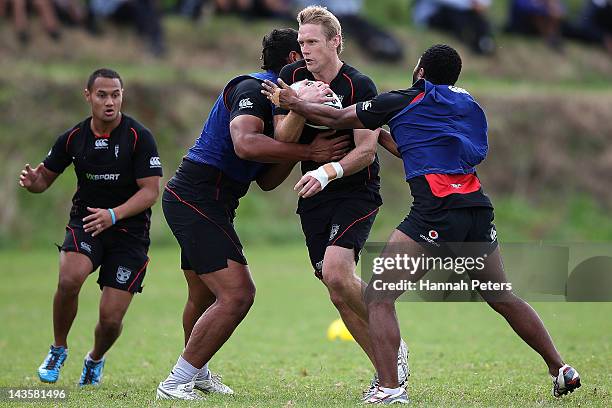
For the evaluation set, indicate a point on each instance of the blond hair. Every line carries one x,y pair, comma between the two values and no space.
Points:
321,16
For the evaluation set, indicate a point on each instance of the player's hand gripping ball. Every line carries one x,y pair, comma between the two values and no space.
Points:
334,103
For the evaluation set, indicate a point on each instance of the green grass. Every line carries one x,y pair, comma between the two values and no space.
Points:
461,354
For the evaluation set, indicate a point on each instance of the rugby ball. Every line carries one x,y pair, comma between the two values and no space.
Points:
336,103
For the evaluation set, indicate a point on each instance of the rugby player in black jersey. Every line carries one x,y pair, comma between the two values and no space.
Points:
336,222
118,171
440,133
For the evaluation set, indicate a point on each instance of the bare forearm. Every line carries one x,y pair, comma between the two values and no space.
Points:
386,140
357,160
267,150
275,176
326,115
289,128
139,202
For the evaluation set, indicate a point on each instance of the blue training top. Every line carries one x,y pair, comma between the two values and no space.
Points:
215,147
447,134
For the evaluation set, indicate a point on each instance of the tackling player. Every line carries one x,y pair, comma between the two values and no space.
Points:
200,203
337,221
440,133
118,170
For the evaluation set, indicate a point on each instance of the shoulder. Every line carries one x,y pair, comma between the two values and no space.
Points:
246,84
362,85
294,72
132,125
70,134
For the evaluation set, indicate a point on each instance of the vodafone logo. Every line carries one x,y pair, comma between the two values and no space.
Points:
433,234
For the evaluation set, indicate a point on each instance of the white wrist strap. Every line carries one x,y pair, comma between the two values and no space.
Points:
326,173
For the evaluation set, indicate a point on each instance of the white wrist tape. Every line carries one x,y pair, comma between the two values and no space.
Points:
326,173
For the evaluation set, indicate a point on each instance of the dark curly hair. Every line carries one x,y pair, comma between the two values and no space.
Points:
276,46
442,64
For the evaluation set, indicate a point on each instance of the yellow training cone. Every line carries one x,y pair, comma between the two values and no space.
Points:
337,330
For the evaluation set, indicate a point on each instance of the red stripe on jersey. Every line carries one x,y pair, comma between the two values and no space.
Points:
225,93
294,72
352,88
70,137
418,98
135,137
443,185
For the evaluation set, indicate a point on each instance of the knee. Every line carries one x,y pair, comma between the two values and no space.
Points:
69,285
239,302
504,303
337,277
110,324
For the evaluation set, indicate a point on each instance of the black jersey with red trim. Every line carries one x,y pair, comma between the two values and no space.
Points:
107,167
351,86
431,192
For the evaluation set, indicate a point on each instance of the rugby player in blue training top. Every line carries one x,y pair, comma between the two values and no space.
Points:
440,133
200,201
118,171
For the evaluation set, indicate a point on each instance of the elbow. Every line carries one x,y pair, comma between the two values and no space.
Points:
153,194
245,151
242,152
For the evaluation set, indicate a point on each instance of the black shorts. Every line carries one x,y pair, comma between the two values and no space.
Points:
200,213
121,255
344,223
442,231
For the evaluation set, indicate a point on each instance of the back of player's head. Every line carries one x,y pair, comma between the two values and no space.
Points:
442,64
276,47
322,16
103,73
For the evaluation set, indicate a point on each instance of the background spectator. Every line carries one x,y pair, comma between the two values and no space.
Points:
466,19
256,8
144,14
595,23
538,17
19,8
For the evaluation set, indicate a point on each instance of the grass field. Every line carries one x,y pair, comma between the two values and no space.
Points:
461,354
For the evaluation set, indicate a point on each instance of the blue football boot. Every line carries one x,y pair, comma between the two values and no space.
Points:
92,372
50,368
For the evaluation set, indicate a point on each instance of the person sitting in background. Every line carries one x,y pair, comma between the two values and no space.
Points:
467,19
595,23
20,17
144,14
538,17
256,8
377,43
70,12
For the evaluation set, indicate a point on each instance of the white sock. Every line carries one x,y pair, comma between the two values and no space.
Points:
204,373
88,358
391,390
182,373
